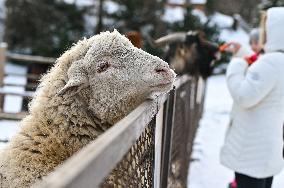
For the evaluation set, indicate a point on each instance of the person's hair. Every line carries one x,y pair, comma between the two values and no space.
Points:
254,35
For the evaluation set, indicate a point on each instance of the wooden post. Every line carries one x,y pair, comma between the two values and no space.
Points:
100,17
167,138
3,48
158,147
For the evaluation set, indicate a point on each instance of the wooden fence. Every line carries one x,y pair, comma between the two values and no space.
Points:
150,147
5,57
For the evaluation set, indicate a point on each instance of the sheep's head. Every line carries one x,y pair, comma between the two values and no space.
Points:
119,76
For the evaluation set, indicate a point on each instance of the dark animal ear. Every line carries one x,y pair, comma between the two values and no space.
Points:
191,38
77,79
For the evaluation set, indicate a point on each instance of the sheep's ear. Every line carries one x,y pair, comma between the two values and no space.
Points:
77,79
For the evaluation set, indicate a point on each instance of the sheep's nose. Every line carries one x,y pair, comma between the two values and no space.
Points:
161,70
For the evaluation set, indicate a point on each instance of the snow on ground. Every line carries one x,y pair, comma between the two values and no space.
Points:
7,130
173,14
206,171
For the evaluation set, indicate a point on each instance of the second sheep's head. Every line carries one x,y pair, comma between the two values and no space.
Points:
117,76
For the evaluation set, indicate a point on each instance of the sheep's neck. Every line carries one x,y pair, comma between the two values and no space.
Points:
115,108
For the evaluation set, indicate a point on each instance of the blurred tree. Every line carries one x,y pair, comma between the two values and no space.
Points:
134,14
246,8
265,4
211,6
143,16
192,22
45,27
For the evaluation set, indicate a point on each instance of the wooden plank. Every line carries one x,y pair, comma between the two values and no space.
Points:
158,147
30,58
167,138
30,76
13,116
28,94
182,5
4,140
92,164
29,85
3,48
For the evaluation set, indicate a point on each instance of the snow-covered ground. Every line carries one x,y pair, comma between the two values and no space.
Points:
206,171
7,130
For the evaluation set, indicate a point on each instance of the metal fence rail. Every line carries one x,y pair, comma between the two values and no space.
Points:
150,147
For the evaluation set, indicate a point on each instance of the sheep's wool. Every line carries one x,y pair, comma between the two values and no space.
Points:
91,86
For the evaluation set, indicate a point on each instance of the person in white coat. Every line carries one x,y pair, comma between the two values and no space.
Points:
254,143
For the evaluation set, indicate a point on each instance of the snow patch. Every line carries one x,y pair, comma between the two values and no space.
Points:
173,14
7,130
240,36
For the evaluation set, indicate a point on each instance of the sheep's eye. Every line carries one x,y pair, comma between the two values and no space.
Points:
103,67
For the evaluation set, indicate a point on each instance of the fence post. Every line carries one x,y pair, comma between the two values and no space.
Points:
167,138
158,146
3,48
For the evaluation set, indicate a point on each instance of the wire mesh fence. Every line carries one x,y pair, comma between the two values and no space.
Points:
187,114
136,168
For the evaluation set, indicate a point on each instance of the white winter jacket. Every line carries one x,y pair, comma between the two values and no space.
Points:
254,142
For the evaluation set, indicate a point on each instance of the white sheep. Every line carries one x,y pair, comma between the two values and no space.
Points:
91,86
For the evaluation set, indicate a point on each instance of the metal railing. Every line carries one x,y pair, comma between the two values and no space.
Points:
150,147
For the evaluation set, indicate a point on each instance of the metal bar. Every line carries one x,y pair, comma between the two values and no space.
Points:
167,138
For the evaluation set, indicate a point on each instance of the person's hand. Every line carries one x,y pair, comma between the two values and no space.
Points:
232,47
251,59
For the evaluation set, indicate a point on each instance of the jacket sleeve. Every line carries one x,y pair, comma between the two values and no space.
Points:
248,86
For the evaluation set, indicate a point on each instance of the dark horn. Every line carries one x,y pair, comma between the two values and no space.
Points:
175,37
